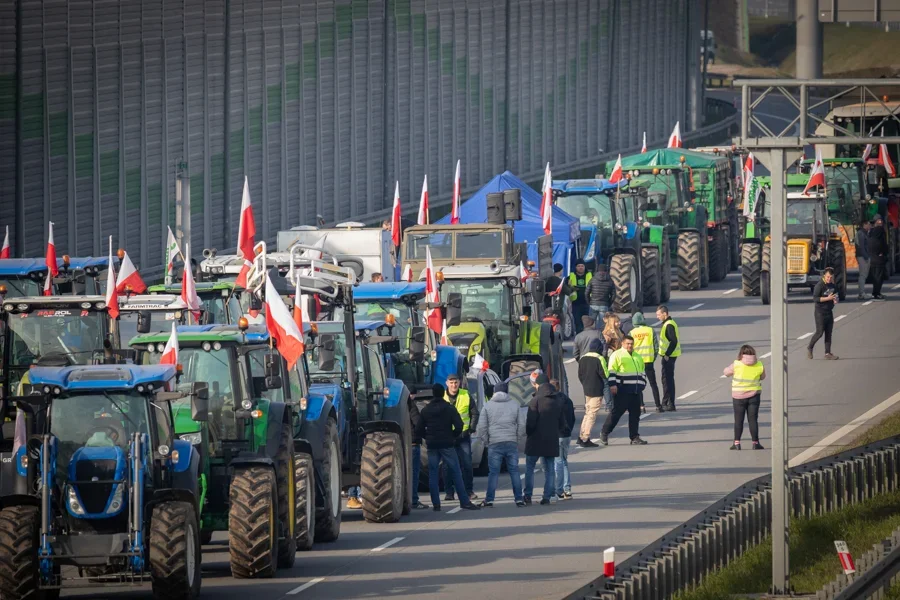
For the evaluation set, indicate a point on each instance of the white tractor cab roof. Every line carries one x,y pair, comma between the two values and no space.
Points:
512,273
227,266
366,249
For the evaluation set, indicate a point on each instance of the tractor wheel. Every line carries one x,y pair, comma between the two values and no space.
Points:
837,260
19,541
253,523
306,527
767,257
175,551
328,519
734,245
764,290
718,255
381,478
689,259
751,265
650,276
205,537
623,272
665,275
704,261
289,503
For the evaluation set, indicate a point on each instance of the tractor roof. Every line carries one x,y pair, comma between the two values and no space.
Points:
97,302
834,161
21,267
795,179
587,186
188,334
202,286
368,292
480,272
83,262
338,326
672,156
100,377
165,302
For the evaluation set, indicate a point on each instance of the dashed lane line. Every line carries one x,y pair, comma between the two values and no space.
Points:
867,303
388,544
896,287
696,306
839,317
805,335
657,324
687,395
569,361
731,291
454,511
305,586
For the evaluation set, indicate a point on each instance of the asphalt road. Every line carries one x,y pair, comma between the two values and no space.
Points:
625,496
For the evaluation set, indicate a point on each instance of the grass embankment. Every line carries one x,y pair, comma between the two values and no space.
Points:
887,427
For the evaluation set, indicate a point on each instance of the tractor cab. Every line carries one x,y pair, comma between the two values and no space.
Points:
22,277
813,243
145,313
592,202
82,276
846,188
223,302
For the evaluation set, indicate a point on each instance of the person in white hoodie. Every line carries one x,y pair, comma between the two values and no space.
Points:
501,426
747,374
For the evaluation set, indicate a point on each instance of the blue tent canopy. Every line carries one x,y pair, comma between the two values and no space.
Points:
566,228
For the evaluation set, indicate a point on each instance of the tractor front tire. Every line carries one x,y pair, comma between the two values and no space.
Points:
718,255
382,479
306,527
665,275
650,276
175,551
19,542
289,503
623,270
751,268
689,259
253,523
328,519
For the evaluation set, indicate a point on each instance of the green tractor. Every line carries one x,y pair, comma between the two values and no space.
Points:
223,302
257,481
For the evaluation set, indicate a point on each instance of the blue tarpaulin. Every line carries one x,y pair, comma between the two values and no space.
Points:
566,228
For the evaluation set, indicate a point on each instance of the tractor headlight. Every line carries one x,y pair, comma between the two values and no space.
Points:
206,346
193,439
217,345
8,307
476,348
246,404
74,505
117,499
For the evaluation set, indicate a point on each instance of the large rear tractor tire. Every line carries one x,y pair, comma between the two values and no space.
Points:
19,542
306,529
718,255
704,261
175,551
751,267
689,259
650,276
837,260
328,519
623,270
665,275
382,479
734,246
289,503
253,523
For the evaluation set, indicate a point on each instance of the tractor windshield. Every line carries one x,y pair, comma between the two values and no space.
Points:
406,316
844,184
21,287
337,371
74,333
159,321
801,217
590,209
486,301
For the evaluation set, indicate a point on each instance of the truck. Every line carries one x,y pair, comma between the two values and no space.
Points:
367,250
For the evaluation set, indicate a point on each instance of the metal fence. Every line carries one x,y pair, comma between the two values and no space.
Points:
683,557
876,572
105,105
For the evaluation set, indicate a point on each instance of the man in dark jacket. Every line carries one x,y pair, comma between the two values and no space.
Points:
592,374
552,284
542,426
415,418
600,293
863,258
878,251
440,425
467,407
583,340
561,466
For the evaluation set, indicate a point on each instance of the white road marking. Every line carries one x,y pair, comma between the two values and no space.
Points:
454,511
305,586
896,287
387,544
569,361
645,415
805,335
723,376
696,306
687,395
766,355
838,318
867,303
731,291
829,440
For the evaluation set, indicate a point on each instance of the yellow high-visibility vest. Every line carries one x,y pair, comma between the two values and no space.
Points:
462,407
602,362
746,377
664,342
643,343
579,282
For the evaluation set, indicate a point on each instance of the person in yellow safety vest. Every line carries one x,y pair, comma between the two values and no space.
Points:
669,351
578,283
626,382
467,408
747,374
645,345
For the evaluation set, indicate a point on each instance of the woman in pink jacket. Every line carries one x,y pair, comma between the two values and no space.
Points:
746,374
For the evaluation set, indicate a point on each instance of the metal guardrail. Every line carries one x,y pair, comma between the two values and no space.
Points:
876,571
718,535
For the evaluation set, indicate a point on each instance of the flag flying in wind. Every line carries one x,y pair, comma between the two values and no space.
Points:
817,175
50,260
558,289
423,204
867,152
4,251
445,339
616,175
170,353
479,364
407,274
751,197
749,167
188,289
884,159
395,216
523,272
547,202
454,206
675,139
112,294
282,327
432,295
171,252
129,279
644,144
301,302
246,233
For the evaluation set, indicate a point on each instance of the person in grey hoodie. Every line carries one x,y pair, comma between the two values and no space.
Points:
747,374
501,427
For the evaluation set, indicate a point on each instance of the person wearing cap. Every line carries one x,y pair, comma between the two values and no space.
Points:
552,284
645,345
626,382
543,424
501,427
878,250
440,426
583,340
592,374
600,291
579,280
468,412
863,257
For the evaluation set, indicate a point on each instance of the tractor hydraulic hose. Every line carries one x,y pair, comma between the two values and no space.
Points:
202,494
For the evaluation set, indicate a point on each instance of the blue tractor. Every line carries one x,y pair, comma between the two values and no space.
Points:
82,276
100,482
20,277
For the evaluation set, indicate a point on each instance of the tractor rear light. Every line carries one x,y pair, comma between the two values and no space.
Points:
386,392
710,224
174,456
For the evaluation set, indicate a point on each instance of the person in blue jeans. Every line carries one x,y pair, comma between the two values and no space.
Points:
543,424
563,481
500,427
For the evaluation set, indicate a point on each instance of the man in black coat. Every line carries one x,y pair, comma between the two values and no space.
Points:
878,251
543,424
592,374
440,426
415,418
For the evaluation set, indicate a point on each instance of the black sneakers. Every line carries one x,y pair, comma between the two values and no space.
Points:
520,503
527,500
604,439
470,506
638,441
486,504
735,447
585,443
545,501
758,446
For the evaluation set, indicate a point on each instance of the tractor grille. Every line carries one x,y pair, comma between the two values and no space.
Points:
797,258
95,495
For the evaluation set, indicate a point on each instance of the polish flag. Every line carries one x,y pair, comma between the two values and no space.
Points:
4,251
171,252
675,139
523,272
246,233
558,289
395,216
129,279
609,562
432,295
316,251
112,294
547,202
867,152
188,289
300,307
407,274
817,175
644,145
52,268
423,204
170,353
884,159
445,339
479,364
616,175
749,167
282,327
454,206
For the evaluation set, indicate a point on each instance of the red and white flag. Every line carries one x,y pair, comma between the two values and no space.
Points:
50,260
675,139
112,294
644,144
558,289
282,327
867,152
188,289
129,279
246,233
479,364
432,295
407,274
749,167
171,252
423,204
523,272
884,159
170,353
298,306
616,175
395,216
4,251
817,175
547,202
454,206
609,562
445,339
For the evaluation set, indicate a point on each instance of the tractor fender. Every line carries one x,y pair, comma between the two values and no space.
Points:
313,430
751,241
448,361
19,500
278,413
250,459
387,426
398,393
624,250
302,445
172,495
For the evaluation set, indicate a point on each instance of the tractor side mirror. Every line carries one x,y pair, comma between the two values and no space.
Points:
273,372
454,309
537,288
390,347
144,320
416,344
199,401
256,302
326,352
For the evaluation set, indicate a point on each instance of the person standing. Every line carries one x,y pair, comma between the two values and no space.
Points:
543,423
747,374
878,251
645,345
669,351
825,297
578,283
468,412
415,417
588,334
561,466
592,373
600,293
440,426
551,285
626,382
612,341
501,426
862,256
